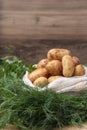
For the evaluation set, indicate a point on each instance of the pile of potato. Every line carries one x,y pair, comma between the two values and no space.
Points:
59,63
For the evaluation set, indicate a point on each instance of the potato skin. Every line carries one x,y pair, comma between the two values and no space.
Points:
52,78
37,73
41,82
79,70
68,66
76,60
54,67
42,63
57,54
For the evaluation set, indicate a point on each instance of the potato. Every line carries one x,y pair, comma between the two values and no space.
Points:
54,67
41,82
52,78
42,63
68,66
37,73
76,60
79,70
57,54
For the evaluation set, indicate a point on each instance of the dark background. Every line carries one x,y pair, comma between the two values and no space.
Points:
31,51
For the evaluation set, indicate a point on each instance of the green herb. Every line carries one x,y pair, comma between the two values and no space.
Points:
30,109
31,68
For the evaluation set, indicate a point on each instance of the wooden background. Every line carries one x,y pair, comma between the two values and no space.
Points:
43,19
29,28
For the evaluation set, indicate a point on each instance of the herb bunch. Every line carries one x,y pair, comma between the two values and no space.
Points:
29,109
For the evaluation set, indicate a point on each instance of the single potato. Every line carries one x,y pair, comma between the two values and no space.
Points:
57,54
76,60
42,63
79,70
37,73
52,78
54,67
68,66
41,82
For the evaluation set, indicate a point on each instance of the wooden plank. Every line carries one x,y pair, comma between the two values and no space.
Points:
83,127
44,19
43,4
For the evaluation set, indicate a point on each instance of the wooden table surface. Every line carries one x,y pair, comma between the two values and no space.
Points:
43,19
83,127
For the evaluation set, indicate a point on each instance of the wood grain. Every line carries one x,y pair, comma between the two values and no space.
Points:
83,127
43,19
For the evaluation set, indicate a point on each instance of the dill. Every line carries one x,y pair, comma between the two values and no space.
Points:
29,109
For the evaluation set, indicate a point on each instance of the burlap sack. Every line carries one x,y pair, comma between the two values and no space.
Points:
75,84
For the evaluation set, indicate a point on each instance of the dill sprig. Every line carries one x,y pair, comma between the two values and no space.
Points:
29,109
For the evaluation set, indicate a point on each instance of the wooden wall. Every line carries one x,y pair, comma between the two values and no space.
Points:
43,19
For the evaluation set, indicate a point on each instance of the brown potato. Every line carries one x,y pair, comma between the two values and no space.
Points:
41,82
57,54
76,60
52,78
68,66
79,70
54,67
37,73
42,63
